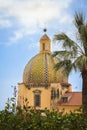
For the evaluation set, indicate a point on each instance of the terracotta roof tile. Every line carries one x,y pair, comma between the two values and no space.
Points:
75,98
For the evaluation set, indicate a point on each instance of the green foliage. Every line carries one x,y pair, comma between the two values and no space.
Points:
30,119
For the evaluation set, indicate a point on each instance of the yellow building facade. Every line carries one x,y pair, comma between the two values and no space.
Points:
42,86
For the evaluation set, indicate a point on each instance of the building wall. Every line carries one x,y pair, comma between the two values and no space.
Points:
67,109
25,93
26,96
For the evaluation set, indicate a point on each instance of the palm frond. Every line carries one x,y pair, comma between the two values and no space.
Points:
82,30
83,37
65,54
79,20
66,65
66,41
74,55
80,62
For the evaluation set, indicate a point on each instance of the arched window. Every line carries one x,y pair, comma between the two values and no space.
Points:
37,98
53,94
57,95
43,46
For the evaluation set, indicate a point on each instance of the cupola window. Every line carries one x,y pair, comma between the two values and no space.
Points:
43,46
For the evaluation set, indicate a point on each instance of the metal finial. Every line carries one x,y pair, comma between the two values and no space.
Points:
44,29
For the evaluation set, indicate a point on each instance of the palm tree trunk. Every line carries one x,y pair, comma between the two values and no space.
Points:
84,90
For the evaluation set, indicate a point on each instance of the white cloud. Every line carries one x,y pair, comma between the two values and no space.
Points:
34,14
17,35
30,13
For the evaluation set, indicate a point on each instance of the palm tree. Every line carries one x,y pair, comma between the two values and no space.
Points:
74,55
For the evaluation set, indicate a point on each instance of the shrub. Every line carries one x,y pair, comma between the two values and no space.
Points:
31,119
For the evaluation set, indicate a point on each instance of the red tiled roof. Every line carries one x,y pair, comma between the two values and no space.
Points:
75,99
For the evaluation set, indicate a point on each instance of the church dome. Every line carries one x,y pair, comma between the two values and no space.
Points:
40,71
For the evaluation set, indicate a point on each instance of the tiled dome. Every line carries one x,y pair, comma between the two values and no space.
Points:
40,71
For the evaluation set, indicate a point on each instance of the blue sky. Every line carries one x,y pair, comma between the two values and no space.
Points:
21,26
